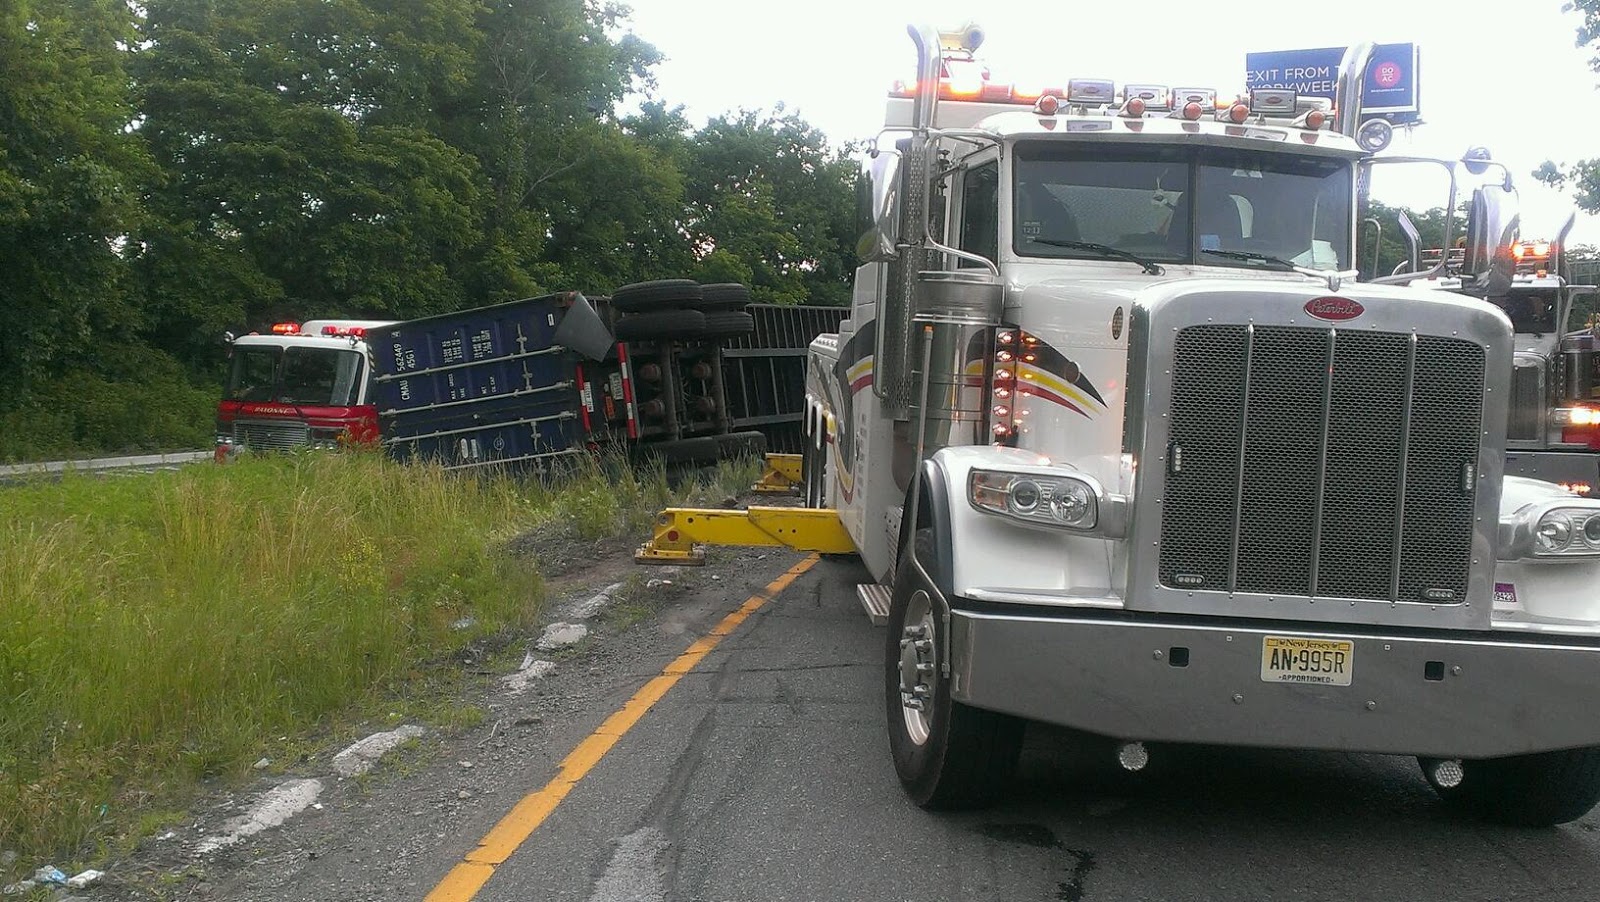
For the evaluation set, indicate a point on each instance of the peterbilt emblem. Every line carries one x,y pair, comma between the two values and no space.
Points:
1334,309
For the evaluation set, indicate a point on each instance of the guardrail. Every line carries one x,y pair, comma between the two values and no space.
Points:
100,464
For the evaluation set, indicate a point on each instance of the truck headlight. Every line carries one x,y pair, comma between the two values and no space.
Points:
1047,497
1553,530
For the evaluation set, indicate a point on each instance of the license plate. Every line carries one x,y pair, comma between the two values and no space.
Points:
1286,659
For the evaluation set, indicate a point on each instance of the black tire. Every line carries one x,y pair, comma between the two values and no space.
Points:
703,449
723,296
1539,790
726,324
742,444
968,754
662,294
663,325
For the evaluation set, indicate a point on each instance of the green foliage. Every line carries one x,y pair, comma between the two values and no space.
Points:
169,626
1583,177
176,168
69,179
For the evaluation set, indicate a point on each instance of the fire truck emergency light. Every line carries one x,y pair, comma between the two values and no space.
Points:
285,328
345,331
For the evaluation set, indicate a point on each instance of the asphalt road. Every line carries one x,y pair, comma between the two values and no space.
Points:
764,775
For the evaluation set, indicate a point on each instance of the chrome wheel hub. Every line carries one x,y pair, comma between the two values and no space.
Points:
919,667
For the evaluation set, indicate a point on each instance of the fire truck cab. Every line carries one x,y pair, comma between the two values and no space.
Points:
300,385
1127,448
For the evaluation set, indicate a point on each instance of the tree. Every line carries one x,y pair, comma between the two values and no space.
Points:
1583,177
768,197
69,176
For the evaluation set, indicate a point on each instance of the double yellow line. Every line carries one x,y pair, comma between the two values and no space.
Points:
475,869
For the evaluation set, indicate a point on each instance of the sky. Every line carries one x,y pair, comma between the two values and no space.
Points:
1512,81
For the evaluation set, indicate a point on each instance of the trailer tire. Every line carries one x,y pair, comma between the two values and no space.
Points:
734,445
661,294
703,449
662,324
729,324
948,756
1543,789
723,296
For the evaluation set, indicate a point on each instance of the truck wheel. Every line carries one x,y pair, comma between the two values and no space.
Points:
723,296
729,324
662,294
1539,790
703,449
662,324
947,755
735,445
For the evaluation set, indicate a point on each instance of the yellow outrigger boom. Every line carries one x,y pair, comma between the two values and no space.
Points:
679,532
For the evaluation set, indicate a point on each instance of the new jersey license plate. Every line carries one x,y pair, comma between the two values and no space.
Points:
1287,659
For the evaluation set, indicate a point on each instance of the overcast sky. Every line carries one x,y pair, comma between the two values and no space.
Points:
1512,81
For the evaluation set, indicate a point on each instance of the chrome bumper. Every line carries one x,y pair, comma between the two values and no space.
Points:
1480,698
1561,467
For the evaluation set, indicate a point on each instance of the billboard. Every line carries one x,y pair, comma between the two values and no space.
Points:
1392,91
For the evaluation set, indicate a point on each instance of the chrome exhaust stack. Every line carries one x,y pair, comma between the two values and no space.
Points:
1352,85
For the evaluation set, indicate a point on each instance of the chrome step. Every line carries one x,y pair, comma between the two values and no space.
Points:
875,600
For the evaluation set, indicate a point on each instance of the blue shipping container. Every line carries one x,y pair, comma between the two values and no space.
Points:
478,386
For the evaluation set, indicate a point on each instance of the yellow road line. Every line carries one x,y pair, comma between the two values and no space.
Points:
475,869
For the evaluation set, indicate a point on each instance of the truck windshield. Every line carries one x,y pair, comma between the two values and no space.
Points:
316,376
1169,203
1530,310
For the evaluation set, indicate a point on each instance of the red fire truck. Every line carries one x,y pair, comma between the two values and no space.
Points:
301,385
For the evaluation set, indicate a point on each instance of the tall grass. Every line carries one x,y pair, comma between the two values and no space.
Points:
161,628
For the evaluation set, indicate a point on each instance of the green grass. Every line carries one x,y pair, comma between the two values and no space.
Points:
155,630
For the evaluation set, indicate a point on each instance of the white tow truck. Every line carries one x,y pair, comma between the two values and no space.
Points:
1128,448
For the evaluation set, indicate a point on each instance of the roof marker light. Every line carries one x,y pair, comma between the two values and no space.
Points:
1091,91
1157,99
1192,110
1238,113
1313,119
1047,105
1132,108
1274,101
1203,96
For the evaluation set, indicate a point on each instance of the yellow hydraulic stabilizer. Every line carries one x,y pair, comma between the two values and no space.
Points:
782,476
679,531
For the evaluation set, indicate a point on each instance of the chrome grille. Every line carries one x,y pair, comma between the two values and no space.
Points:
1527,402
1319,462
261,435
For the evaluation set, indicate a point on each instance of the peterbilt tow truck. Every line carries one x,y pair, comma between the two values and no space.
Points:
299,385
1127,448
1553,432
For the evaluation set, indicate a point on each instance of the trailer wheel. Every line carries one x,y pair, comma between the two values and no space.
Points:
735,445
662,324
728,324
703,449
720,296
667,294
946,754
1538,790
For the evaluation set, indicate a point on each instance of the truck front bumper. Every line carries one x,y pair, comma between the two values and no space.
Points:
1572,468
1449,696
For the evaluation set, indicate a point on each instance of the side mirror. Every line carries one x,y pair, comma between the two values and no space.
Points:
1492,229
880,243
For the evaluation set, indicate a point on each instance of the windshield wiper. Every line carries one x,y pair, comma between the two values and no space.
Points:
1104,250
1252,257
